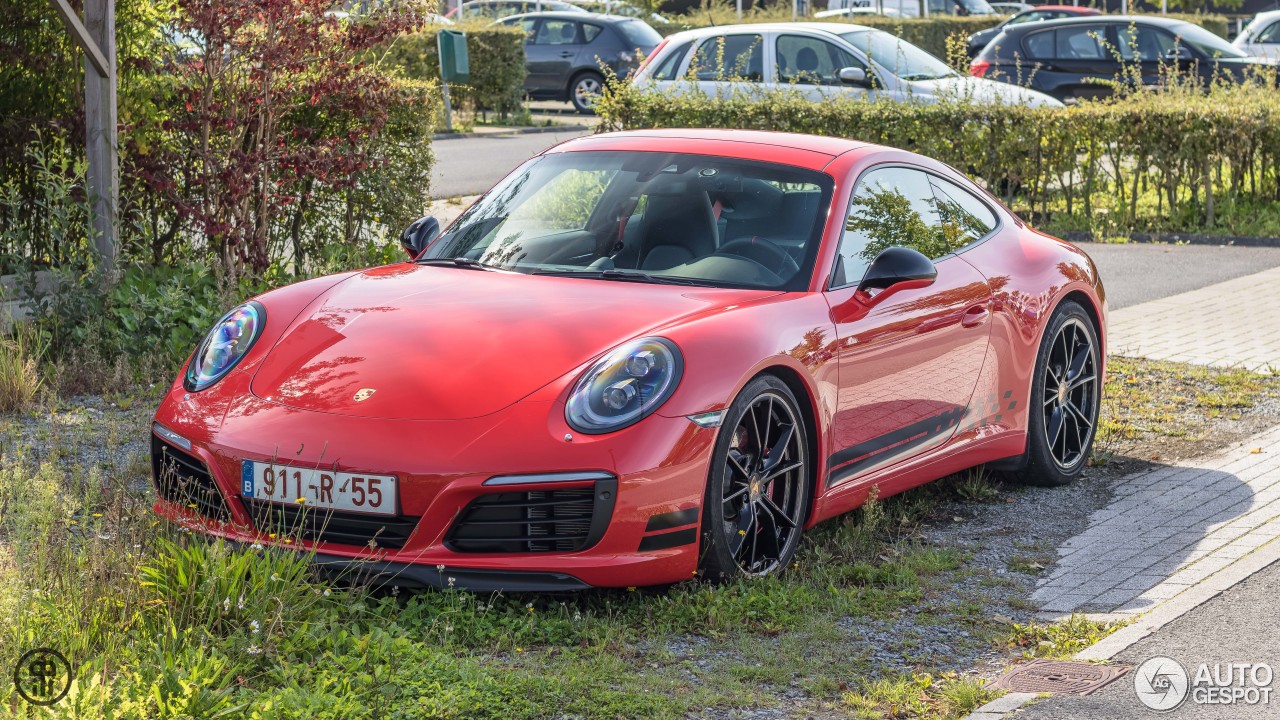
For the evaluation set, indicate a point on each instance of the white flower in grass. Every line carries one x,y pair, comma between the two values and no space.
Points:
327,593
254,626
226,605
450,582
240,603
256,546
254,650
275,577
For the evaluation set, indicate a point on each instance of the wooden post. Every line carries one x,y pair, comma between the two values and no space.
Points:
97,37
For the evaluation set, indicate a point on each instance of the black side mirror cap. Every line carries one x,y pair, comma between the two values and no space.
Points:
897,265
419,235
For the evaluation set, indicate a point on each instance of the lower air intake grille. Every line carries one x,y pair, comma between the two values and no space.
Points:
535,520
331,526
180,478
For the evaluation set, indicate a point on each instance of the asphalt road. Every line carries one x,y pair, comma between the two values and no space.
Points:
1137,272
469,166
1238,626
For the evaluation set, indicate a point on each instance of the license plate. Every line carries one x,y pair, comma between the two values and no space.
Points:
350,492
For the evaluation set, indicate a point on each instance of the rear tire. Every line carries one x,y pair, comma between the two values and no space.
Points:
758,487
1066,394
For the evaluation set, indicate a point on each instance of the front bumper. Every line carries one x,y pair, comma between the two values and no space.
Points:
656,473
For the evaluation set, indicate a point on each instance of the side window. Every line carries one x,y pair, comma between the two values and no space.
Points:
1269,34
557,32
892,206
670,65
965,218
1080,43
530,27
1144,43
590,32
1039,46
811,61
729,57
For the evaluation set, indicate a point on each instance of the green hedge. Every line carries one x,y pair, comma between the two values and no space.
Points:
1159,162
928,33
496,54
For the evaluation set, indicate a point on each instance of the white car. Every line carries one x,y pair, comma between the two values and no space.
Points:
856,12
819,60
1261,37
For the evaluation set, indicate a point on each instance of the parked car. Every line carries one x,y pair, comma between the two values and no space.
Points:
1080,58
563,53
641,357
911,8
979,40
505,8
1261,37
1010,8
856,12
604,7
820,60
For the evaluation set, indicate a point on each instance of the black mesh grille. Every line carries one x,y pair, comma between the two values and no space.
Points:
534,521
331,526
182,479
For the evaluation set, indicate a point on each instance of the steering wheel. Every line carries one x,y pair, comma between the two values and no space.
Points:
764,252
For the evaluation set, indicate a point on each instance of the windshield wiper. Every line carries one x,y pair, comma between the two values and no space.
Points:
461,262
624,276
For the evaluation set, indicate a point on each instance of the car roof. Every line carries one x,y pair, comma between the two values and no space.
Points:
1071,8
1096,19
566,15
812,152
828,27
1266,15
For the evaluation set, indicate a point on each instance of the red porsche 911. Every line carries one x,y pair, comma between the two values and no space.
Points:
640,357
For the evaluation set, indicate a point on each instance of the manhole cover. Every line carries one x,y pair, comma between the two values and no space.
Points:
1059,676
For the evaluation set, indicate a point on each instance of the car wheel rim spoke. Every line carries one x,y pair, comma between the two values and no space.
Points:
764,473
1070,392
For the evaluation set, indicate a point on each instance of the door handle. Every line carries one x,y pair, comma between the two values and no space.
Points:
975,316
567,54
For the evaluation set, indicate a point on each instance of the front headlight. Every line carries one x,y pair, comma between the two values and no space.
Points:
224,346
624,386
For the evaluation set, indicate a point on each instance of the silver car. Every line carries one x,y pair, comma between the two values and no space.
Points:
819,60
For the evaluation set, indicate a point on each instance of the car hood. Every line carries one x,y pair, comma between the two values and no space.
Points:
981,90
430,343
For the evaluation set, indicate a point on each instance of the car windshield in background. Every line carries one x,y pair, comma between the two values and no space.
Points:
639,34
647,217
903,59
1206,42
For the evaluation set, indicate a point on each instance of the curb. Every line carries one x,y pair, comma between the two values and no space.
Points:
516,131
1162,615
1182,238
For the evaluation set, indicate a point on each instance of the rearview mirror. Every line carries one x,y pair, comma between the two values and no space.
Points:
854,76
419,235
898,265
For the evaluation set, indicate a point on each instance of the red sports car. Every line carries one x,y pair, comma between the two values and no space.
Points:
640,357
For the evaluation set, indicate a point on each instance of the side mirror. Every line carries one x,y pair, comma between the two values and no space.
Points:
854,76
419,235
898,265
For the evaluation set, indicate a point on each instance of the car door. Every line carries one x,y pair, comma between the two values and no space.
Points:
727,63
1150,49
1265,42
1075,61
812,66
909,359
552,54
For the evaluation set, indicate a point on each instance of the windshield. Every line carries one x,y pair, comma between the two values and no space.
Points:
899,57
639,34
651,217
1206,42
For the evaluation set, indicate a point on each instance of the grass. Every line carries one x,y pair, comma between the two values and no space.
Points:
1151,407
1060,640
919,695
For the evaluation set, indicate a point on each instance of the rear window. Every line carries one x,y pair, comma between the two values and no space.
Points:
638,34
1079,42
589,32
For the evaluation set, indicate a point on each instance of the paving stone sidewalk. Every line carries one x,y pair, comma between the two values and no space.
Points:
1169,528
1231,323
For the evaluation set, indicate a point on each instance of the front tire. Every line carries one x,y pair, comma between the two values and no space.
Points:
585,92
1066,396
757,491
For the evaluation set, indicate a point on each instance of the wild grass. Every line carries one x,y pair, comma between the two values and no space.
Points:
1059,640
